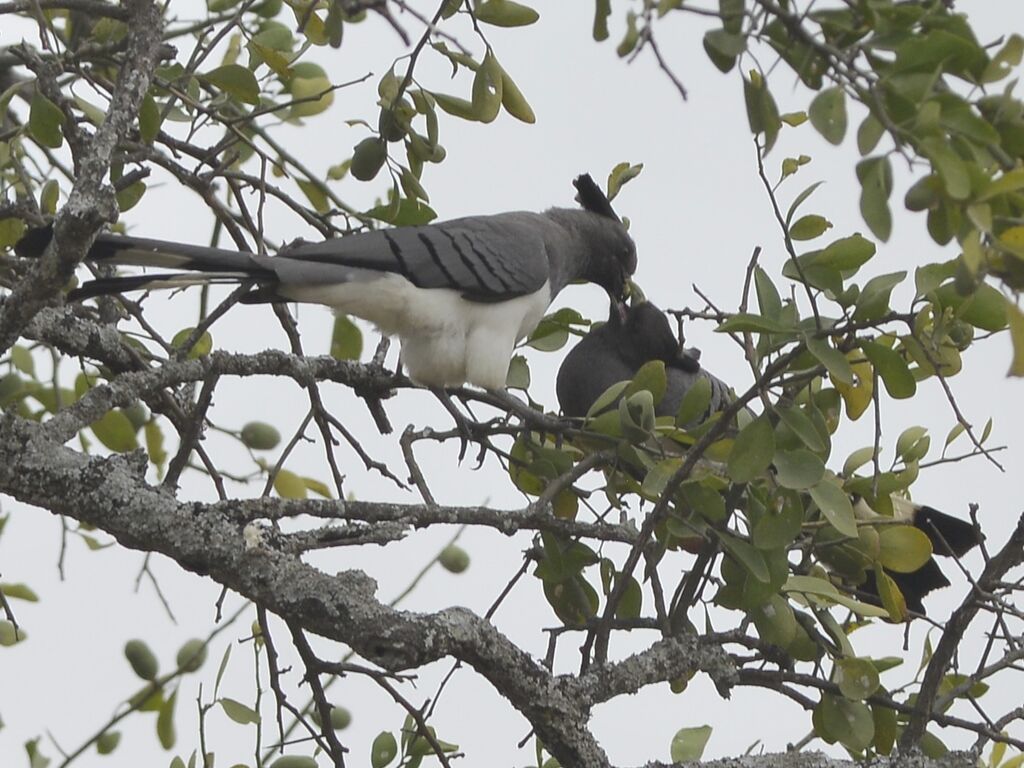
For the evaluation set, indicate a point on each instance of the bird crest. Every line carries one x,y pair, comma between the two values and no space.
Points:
590,196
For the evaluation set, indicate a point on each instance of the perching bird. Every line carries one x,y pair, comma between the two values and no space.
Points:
616,350
950,537
459,294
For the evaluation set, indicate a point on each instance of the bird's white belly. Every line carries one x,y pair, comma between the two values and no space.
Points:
446,340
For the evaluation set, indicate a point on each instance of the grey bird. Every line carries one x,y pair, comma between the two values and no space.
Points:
458,294
617,349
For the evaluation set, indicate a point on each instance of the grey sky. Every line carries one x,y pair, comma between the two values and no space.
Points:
697,212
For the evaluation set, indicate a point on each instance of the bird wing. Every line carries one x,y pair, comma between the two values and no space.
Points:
485,258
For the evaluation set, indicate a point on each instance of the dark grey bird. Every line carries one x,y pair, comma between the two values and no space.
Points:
617,349
458,294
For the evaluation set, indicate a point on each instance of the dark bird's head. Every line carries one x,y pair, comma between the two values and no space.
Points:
642,333
612,252
614,351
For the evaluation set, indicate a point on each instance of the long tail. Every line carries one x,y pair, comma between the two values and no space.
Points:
217,265
105,286
949,535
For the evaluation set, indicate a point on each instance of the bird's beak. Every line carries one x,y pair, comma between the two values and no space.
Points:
634,293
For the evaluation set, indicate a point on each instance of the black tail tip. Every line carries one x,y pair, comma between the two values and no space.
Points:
34,242
590,196
949,535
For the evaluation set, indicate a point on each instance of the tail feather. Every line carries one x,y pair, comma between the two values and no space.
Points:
949,535
143,252
108,285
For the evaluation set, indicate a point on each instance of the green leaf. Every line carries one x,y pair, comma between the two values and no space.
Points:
800,199
129,197
752,451
803,427
875,176
236,81
768,299
857,678
695,403
835,362
23,361
10,635
107,742
723,48
848,722
762,112
116,432
518,376
835,505
607,398
409,213
602,10
49,196
456,107
828,114
19,592
45,120
747,555
141,658
514,102
650,377
311,94
892,368
1001,65
294,761
620,175
903,548
383,750
368,157
289,485
150,119
165,731
1016,323
658,476
487,89
239,712
688,743
778,529
951,169
873,301
775,621
316,193
869,133
743,322
201,348
631,38
259,436
809,227
505,13
799,469
346,339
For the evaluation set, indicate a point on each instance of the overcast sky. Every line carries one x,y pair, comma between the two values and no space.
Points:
697,212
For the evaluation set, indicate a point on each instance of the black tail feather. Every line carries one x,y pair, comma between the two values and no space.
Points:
105,286
914,586
34,242
949,535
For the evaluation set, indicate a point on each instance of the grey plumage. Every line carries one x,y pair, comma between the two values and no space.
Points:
458,294
616,350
